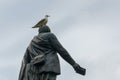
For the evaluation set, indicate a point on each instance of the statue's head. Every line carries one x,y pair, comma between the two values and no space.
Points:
44,29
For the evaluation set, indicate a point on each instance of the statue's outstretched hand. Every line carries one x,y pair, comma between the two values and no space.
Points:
79,69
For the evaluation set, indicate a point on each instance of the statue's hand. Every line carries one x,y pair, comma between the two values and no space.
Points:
79,69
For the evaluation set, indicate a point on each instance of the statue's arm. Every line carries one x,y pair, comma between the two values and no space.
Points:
61,50
65,55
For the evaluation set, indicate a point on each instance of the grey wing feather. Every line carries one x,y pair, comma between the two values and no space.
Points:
39,23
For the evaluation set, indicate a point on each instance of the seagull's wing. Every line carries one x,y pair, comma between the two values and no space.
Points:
40,23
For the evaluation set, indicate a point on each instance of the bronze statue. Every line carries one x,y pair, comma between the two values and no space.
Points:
41,61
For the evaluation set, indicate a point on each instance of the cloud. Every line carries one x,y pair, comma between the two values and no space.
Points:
93,48
88,29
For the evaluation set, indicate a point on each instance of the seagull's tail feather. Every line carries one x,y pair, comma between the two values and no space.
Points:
37,25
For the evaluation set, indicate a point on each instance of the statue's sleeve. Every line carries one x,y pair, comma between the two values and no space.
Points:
60,49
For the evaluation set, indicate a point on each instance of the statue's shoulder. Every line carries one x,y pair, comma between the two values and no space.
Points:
47,35
51,34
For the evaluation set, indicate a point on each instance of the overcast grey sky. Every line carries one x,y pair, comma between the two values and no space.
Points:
88,29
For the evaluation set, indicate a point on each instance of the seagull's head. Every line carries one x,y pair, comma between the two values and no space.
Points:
47,16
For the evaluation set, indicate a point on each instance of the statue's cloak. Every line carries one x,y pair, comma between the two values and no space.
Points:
44,43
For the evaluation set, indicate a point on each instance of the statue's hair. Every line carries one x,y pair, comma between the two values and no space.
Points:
44,29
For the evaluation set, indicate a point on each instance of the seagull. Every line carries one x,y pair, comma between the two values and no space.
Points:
42,22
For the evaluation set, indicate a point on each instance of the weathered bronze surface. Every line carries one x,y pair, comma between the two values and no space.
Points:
45,43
